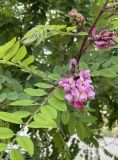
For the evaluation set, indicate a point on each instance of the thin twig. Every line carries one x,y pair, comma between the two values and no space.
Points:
81,51
28,121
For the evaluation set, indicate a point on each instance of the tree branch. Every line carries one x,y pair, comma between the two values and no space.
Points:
81,51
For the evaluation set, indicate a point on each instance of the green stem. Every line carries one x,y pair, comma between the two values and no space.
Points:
43,103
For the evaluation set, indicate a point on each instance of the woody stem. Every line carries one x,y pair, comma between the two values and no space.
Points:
82,49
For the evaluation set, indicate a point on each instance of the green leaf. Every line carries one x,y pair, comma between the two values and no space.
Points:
107,73
12,95
40,32
6,133
0,86
3,96
6,46
115,68
10,117
22,52
27,61
42,35
40,123
54,76
35,92
57,104
45,120
71,124
16,155
44,85
88,119
3,147
69,29
114,60
60,93
23,103
83,65
95,66
65,117
82,130
12,51
94,141
49,111
26,144
22,114
82,33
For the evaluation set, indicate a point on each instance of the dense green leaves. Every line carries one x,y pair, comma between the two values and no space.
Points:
12,54
50,48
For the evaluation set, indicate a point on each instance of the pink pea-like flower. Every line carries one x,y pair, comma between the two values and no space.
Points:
104,39
78,88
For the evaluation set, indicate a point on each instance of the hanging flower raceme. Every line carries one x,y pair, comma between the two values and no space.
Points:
104,39
78,88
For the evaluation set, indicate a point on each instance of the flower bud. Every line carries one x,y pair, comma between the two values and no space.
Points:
76,18
73,64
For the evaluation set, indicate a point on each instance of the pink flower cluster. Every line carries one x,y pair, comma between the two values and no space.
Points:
104,39
78,88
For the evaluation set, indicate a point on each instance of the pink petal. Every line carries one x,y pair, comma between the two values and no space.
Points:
101,43
112,34
66,87
76,93
69,97
85,74
94,31
103,32
78,105
90,93
83,97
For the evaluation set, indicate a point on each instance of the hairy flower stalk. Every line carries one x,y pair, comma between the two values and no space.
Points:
104,39
78,87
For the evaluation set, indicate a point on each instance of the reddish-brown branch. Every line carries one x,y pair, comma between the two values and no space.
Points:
82,49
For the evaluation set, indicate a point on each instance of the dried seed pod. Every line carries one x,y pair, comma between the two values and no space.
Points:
76,18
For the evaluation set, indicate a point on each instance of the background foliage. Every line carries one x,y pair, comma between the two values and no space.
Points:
33,63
